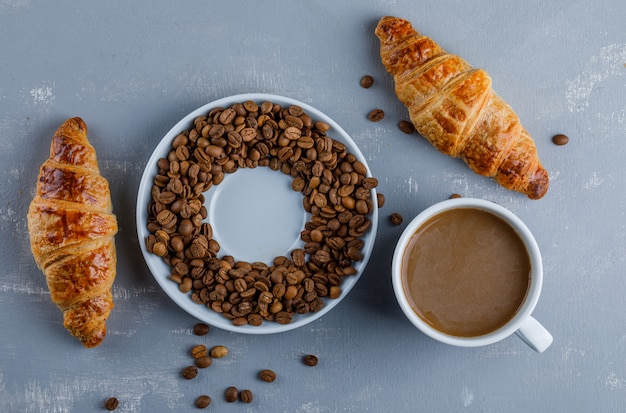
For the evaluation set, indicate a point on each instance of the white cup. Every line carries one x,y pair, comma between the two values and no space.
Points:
522,323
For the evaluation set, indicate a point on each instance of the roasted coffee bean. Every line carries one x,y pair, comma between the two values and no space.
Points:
380,198
310,360
219,352
255,319
246,396
560,139
376,115
295,110
396,218
239,321
334,292
203,402
267,375
201,329
227,116
190,372
159,249
111,403
366,81
298,184
406,127
369,183
454,196
204,362
199,351
186,285
231,394
322,126
290,292
283,317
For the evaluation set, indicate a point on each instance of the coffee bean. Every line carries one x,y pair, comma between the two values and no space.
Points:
454,196
219,352
201,329
190,372
204,362
406,127
396,218
310,360
376,115
111,403
283,317
231,394
366,81
560,139
203,402
159,249
255,319
246,396
186,285
199,351
380,198
227,116
267,375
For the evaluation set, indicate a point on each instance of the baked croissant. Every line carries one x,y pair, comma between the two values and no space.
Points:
453,106
72,229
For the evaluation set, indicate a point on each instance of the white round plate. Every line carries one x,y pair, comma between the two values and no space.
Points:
255,216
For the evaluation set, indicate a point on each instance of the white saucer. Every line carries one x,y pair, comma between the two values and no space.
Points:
255,215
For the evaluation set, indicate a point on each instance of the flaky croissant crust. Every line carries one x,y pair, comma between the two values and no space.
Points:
72,229
453,106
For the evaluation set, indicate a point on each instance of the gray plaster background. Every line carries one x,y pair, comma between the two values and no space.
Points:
133,69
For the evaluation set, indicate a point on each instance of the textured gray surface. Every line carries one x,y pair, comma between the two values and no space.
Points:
133,69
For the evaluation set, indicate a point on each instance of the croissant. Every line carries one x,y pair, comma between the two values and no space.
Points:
453,106
72,229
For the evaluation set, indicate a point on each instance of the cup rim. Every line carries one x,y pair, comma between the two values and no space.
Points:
534,290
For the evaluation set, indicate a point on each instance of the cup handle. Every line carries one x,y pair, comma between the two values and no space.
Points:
535,335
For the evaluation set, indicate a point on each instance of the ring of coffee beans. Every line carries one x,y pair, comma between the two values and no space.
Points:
336,193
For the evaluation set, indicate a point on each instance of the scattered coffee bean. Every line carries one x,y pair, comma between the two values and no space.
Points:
246,396
310,360
219,351
231,394
454,196
380,198
396,218
204,362
190,372
560,139
200,329
199,351
406,127
111,403
367,81
376,115
203,402
267,375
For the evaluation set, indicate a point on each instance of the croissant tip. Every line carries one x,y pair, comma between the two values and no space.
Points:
538,185
391,28
75,123
95,339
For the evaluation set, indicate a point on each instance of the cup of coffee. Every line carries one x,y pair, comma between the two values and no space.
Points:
468,272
